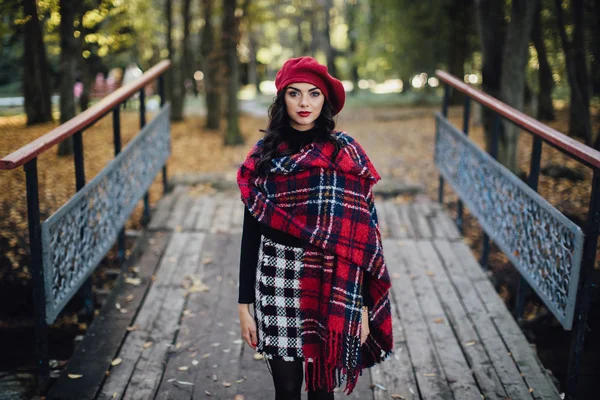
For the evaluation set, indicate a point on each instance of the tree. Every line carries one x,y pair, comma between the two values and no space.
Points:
175,86
36,71
211,55
512,80
575,58
545,106
231,38
460,16
505,56
69,56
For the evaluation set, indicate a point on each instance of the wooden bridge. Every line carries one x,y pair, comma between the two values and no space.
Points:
179,337
170,330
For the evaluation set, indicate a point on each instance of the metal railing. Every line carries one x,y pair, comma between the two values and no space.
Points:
68,246
554,256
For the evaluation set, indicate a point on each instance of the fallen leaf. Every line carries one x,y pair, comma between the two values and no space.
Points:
74,376
214,377
430,273
195,362
170,380
184,383
206,392
428,374
132,328
397,396
133,281
207,260
135,269
184,368
129,298
123,310
226,384
237,341
226,350
258,356
240,380
238,397
395,275
216,344
438,320
116,362
530,390
148,344
470,343
206,355
178,228
115,395
117,306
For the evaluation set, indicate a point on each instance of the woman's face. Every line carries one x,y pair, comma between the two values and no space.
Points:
304,102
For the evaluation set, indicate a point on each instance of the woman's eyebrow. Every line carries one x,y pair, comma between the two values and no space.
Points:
310,90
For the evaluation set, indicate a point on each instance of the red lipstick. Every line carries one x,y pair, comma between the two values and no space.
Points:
304,113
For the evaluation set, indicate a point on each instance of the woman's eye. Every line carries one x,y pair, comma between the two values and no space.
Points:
315,94
293,94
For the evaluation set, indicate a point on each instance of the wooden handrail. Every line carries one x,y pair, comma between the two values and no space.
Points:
81,121
572,147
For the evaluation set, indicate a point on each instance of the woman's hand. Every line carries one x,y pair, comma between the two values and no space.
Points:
247,325
364,329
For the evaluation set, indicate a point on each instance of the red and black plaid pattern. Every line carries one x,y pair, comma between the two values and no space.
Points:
277,305
330,205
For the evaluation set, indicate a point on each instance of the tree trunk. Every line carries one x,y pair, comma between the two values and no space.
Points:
252,72
352,13
512,81
595,50
491,31
231,38
545,106
579,108
329,50
36,73
459,13
68,65
175,82
212,60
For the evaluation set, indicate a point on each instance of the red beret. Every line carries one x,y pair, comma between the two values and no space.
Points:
307,69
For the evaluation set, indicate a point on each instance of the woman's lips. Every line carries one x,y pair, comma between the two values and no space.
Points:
304,113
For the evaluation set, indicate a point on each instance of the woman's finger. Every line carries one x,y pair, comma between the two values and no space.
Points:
253,338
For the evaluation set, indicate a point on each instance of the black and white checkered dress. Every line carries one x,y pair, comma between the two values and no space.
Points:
277,304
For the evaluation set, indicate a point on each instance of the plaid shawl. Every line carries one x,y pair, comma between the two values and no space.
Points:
330,205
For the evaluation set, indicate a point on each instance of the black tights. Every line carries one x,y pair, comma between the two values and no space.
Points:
288,377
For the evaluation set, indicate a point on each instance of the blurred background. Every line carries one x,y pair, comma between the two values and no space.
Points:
59,57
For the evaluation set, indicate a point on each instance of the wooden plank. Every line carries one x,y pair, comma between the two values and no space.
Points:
398,228
149,369
456,368
189,222
223,214
419,223
442,219
423,208
205,218
237,219
429,374
132,348
164,208
471,344
520,350
395,375
180,212
93,355
382,218
404,211
505,367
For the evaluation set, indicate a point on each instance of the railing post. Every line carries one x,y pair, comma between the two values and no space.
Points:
586,286
161,93
86,290
146,214
485,251
117,142
37,270
532,181
466,118
445,114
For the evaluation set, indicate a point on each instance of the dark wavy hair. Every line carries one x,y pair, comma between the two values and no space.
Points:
279,120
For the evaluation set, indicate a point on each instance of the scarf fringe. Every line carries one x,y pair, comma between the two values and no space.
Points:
342,364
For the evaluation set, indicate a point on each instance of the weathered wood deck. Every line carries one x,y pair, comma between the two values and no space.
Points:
454,337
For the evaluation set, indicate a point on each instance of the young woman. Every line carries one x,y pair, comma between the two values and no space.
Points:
311,258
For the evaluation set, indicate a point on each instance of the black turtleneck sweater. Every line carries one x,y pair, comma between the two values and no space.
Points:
253,229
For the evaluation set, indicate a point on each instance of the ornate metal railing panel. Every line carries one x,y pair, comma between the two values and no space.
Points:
540,241
78,235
